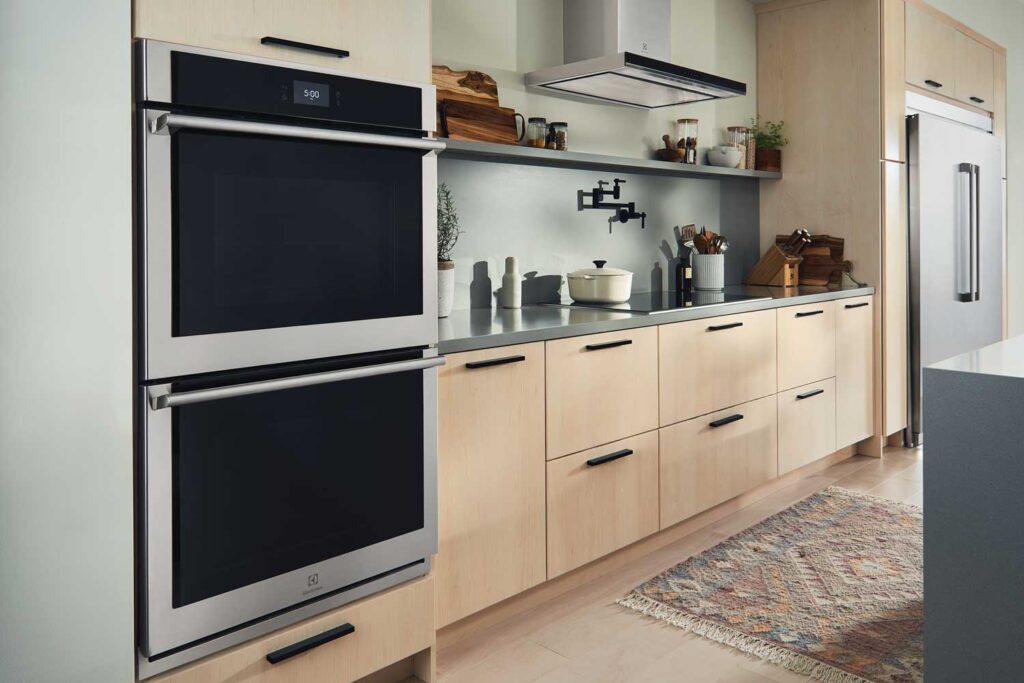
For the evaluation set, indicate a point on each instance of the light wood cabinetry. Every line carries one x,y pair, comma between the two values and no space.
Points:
389,627
385,38
601,500
491,475
807,347
601,388
895,317
931,51
710,459
709,364
807,424
854,374
975,73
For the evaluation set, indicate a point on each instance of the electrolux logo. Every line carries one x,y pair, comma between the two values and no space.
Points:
312,584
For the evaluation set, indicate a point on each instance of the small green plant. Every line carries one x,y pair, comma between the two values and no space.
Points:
768,135
447,223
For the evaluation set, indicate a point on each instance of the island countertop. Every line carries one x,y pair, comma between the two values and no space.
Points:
482,328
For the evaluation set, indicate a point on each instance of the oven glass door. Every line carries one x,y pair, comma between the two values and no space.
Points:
268,243
259,501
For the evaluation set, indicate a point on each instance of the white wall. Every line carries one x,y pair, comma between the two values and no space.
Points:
65,342
1003,22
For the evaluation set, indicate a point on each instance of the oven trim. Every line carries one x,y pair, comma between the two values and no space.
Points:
166,628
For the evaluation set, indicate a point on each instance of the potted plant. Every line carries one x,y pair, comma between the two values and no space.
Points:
447,235
769,140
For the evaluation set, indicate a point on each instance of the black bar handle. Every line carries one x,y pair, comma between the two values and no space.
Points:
804,314
309,643
600,460
494,361
860,305
977,99
717,328
284,42
808,394
725,420
934,84
609,345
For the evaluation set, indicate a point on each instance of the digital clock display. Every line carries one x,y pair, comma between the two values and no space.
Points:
316,94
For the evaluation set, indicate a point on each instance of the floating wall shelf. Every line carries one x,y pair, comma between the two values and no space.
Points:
533,156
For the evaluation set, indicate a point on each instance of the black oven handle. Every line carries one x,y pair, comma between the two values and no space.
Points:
166,399
165,122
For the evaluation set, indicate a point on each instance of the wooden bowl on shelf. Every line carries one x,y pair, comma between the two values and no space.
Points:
670,152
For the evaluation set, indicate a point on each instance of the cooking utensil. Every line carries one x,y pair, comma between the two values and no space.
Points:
719,244
600,284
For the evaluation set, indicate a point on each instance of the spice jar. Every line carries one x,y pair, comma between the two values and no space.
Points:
558,136
536,132
736,136
687,131
751,149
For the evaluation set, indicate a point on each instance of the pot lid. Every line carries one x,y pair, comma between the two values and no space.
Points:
600,270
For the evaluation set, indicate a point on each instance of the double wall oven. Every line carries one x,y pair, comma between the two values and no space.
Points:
286,336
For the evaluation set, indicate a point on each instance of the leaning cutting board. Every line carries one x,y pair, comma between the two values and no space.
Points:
480,122
464,86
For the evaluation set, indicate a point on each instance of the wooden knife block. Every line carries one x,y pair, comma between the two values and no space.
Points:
775,269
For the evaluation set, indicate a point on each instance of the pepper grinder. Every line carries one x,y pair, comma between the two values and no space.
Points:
511,284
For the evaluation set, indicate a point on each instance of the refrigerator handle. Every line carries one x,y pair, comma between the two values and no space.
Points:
976,220
965,236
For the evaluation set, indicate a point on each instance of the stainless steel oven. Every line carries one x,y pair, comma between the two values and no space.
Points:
284,213
286,408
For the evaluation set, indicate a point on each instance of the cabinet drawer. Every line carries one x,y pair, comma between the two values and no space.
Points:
710,459
930,51
855,385
807,424
368,30
601,388
706,365
389,627
601,500
491,470
975,72
807,344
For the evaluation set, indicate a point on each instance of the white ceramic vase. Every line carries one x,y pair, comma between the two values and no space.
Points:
445,287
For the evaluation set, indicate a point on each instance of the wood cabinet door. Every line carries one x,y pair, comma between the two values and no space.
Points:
710,459
601,500
385,38
975,73
931,51
491,494
807,344
706,365
601,388
807,424
855,387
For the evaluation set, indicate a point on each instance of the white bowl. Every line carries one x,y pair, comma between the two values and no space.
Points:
729,157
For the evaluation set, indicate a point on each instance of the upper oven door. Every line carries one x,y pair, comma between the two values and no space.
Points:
267,243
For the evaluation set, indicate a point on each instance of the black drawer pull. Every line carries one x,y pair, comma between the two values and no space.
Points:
808,394
934,84
977,99
717,328
721,422
609,345
860,305
494,361
284,42
804,314
602,459
309,643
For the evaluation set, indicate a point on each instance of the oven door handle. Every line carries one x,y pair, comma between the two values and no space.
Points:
166,399
165,122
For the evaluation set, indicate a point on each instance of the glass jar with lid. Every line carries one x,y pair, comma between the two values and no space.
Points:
536,131
736,136
686,130
558,136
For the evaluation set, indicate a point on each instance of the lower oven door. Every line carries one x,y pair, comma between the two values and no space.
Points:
268,489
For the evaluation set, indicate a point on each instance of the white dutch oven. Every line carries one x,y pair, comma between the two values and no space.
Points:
600,285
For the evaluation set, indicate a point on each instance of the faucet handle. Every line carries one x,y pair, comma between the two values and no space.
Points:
619,181
602,183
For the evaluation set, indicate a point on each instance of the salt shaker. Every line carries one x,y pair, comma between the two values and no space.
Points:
511,284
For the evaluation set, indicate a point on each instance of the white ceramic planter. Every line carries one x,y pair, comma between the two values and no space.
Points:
445,288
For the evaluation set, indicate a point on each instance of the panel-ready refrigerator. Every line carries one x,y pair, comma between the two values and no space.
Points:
956,245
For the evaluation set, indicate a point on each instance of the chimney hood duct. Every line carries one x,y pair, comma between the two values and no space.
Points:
617,51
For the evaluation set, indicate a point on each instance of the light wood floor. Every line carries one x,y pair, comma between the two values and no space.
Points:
583,637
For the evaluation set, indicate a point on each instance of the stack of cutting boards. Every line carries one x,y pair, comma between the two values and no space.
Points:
468,108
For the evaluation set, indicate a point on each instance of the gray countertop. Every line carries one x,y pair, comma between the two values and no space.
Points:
482,328
1004,359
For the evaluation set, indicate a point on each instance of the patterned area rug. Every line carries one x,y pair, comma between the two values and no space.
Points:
831,588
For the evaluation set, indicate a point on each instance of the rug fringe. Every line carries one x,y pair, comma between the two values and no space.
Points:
761,649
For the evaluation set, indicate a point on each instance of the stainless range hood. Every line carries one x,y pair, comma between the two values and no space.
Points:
617,51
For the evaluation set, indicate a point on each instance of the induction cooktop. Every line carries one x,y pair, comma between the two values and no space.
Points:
652,303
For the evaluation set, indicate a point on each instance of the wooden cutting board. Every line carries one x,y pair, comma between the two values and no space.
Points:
479,122
465,86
